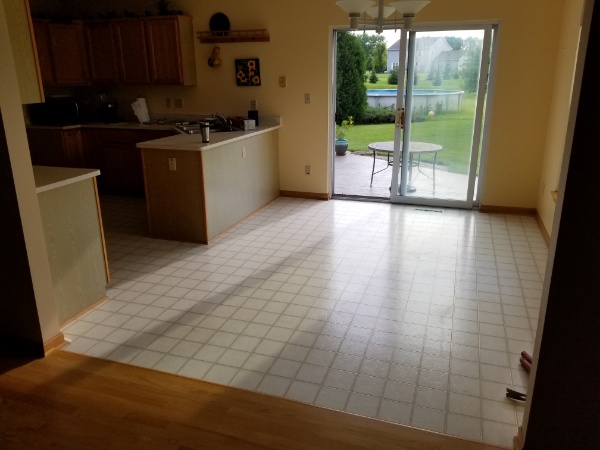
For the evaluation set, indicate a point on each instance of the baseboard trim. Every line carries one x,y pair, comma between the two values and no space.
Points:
492,209
86,310
53,343
308,195
540,223
242,220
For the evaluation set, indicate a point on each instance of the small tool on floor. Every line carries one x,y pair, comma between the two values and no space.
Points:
515,395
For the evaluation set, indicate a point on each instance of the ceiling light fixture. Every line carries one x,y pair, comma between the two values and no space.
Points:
364,13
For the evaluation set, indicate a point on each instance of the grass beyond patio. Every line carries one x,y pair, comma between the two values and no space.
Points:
452,130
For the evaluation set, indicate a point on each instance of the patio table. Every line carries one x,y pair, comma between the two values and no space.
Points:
416,149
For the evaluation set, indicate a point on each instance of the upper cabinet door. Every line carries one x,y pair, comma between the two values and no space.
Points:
44,52
101,53
164,50
130,46
68,54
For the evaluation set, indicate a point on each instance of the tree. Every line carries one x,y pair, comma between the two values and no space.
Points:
351,93
437,79
447,71
369,41
455,42
380,57
470,69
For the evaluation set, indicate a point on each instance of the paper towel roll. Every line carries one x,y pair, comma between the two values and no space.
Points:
140,109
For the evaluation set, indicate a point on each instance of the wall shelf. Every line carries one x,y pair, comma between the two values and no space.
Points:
232,36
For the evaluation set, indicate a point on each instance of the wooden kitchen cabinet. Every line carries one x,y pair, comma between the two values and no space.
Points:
61,53
120,161
101,52
155,50
46,147
171,50
68,54
111,150
131,53
62,148
73,149
44,52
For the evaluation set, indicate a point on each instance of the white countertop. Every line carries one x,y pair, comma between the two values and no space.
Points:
118,126
47,178
193,142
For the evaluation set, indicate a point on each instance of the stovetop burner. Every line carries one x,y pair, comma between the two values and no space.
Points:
193,126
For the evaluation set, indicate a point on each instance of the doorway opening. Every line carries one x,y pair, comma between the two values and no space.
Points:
437,103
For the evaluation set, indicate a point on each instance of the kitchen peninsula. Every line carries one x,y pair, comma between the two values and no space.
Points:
74,237
195,191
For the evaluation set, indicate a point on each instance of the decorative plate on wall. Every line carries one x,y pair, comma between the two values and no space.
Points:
219,24
247,72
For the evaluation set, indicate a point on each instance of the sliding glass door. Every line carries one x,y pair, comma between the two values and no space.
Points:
442,87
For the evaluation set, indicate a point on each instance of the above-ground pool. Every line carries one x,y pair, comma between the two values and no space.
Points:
423,99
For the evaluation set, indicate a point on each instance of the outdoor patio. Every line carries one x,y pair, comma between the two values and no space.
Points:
352,175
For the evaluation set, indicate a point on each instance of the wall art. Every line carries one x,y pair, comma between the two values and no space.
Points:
247,72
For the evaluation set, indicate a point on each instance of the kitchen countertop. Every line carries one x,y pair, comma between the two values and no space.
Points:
193,142
47,178
118,126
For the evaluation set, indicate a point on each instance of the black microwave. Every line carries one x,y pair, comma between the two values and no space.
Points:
57,111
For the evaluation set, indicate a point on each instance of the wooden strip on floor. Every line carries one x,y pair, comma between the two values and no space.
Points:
71,401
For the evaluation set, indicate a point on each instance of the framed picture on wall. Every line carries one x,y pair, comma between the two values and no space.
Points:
247,72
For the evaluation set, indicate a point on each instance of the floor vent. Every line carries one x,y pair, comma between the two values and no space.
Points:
430,210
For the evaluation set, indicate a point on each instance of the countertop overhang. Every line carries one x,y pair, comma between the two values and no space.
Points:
179,141
47,178
193,142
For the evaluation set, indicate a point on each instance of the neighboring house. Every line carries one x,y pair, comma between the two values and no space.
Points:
451,60
427,49
393,56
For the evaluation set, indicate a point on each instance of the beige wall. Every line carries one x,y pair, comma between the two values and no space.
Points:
523,91
300,50
559,110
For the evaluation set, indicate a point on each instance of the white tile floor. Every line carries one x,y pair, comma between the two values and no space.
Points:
382,310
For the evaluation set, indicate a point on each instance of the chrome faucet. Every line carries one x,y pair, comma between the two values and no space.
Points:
225,121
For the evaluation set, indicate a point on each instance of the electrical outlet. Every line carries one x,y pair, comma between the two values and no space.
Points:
172,164
307,99
307,169
178,103
282,81
168,102
252,104
243,151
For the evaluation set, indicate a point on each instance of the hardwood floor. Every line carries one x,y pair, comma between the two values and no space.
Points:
70,401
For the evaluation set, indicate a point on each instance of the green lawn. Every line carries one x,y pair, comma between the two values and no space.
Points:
422,83
453,131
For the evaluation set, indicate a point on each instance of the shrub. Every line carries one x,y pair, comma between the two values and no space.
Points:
342,129
393,77
373,77
379,114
